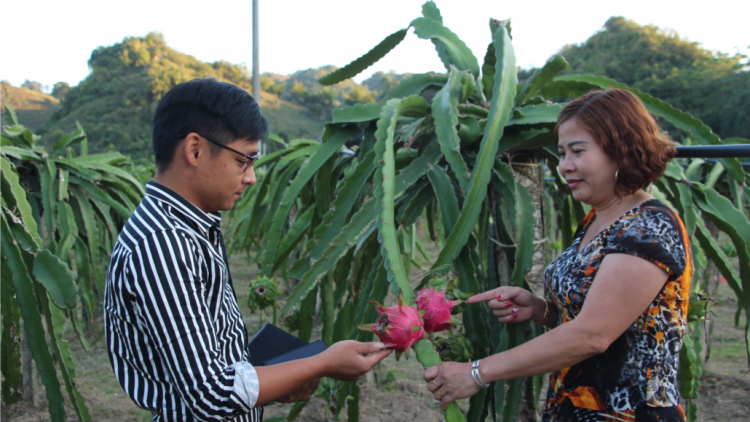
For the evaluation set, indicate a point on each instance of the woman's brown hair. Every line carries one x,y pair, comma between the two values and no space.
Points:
627,133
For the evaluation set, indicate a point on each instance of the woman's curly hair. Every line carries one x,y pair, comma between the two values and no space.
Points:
628,134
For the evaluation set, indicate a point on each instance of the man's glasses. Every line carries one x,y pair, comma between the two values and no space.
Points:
251,159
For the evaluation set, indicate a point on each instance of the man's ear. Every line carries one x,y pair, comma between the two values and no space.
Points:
191,149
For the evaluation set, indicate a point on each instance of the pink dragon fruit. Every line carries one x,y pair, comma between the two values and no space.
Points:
437,316
398,327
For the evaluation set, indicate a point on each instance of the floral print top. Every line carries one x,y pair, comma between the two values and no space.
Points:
640,367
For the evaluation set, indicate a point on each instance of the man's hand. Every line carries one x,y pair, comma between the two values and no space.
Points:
347,360
296,380
300,393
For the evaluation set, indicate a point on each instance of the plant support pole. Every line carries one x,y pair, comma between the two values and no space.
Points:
256,65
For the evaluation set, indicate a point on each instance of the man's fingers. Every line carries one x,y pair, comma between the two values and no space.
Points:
380,355
376,357
367,348
430,373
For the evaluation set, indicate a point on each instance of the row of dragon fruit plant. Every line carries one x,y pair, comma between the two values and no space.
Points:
61,212
463,154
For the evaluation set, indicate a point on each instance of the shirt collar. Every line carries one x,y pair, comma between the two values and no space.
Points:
162,193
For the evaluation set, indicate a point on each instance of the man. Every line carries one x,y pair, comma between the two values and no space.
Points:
176,339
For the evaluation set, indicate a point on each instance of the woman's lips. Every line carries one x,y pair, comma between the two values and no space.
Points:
573,183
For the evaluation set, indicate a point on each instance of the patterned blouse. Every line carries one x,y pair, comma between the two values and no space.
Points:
640,368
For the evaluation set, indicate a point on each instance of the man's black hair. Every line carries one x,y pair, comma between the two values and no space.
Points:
218,110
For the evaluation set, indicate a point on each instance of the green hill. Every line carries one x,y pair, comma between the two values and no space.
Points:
381,82
302,88
290,121
33,108
714,87
115,103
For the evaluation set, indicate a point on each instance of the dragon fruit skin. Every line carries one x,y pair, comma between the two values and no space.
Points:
437,309
398,327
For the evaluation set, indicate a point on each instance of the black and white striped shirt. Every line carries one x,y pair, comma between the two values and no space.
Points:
177,342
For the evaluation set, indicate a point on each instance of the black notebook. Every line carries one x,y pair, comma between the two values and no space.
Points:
272,345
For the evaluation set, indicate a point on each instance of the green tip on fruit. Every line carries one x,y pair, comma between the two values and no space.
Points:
365,327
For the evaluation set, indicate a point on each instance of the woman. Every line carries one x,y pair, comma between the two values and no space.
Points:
617,298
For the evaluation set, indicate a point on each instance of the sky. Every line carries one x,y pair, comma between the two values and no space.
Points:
51,41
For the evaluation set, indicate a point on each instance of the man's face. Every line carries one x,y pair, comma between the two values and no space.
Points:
222,180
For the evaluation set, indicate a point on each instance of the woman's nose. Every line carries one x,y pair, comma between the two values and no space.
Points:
565,165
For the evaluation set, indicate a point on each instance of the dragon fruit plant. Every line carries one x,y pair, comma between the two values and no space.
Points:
438,149
398,327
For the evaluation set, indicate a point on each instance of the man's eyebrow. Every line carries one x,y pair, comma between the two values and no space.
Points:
251,152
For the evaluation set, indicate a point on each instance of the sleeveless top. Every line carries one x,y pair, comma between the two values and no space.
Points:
640,367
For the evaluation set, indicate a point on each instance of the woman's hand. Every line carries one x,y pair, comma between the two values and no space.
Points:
450,381
346,360
512,304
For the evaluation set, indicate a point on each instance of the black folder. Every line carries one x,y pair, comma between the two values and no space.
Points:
272,345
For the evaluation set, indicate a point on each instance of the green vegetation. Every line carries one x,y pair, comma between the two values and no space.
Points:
60,210
34,108
60,90
714,87
442,154
468,164
288,120
117,100
302,88
381,82
33,85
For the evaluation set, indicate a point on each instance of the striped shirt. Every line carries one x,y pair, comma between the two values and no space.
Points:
176,339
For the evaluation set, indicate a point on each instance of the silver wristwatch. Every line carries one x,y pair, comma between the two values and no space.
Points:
477,377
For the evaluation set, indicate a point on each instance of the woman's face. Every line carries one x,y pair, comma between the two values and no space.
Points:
589,172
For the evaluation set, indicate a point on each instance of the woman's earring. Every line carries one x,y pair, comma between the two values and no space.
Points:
616,171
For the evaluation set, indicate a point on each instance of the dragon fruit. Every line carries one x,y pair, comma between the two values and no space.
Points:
437,316
398,327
